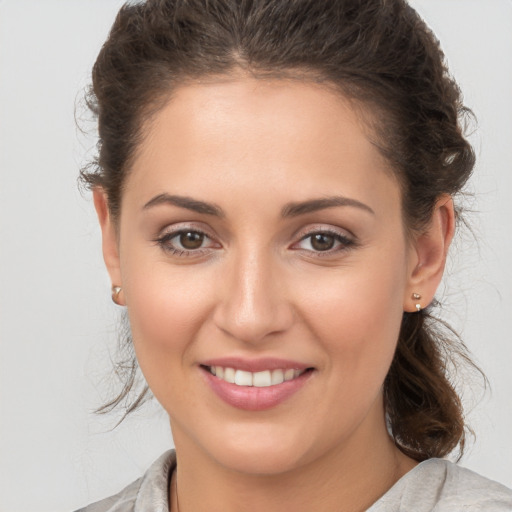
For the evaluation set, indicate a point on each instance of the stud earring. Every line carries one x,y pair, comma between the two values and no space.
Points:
417,297
116,290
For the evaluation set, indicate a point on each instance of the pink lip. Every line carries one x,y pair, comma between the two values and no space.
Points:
255,365
251,398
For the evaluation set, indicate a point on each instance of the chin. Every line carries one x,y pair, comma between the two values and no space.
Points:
259,462
262,450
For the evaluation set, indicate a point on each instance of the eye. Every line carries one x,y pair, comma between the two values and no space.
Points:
190,240
186,242
324,242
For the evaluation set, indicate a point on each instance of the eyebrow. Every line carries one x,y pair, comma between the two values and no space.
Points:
187,203
313,205
289,210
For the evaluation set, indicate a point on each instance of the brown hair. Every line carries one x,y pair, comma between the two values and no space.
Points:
376,52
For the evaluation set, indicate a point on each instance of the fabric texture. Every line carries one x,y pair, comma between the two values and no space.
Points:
435,485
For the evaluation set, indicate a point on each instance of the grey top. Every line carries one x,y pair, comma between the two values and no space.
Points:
435,485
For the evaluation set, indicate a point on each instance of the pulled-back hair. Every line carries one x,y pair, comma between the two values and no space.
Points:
378,53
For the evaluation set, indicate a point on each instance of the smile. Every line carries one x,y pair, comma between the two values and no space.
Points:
261,379
255,385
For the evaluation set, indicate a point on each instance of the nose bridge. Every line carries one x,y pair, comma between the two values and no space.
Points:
253,302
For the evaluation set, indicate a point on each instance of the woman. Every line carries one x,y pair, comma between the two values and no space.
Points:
275,187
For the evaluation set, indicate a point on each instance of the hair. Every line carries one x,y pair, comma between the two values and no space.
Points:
377,53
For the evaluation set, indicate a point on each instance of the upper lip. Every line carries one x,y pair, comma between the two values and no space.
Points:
255,365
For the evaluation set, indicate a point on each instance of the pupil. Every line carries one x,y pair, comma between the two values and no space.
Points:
191,240
322,242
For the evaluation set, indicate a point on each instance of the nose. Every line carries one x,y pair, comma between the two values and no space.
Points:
253,302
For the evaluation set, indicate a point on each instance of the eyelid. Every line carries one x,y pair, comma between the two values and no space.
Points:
181,227
312,229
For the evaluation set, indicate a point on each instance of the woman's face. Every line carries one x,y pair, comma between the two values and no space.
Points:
261,239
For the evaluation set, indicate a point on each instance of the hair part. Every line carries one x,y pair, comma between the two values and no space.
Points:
376,52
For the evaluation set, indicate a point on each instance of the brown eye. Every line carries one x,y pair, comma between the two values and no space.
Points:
187,242
322,241
327,242
191,240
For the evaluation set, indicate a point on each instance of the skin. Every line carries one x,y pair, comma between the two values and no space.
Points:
258,287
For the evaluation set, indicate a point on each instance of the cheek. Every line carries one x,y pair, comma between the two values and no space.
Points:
166,306
356,313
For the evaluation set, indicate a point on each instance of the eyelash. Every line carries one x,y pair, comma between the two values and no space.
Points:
345,243
164,243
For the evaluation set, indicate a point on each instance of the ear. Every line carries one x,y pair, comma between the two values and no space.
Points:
428,255
109,242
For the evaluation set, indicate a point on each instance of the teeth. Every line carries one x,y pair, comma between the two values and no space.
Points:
262,379
229,375
277,377
289,374
243,378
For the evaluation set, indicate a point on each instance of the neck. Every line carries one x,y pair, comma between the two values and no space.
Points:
349,478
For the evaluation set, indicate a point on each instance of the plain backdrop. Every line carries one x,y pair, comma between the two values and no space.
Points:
57,323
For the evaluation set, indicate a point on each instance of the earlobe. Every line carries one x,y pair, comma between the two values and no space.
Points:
430,249
108,236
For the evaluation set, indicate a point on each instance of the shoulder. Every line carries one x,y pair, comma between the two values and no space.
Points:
470,491
438,485
146,494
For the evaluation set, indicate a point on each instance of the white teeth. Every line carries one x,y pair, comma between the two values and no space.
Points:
277,377
261,379
229,375
289,374
243,378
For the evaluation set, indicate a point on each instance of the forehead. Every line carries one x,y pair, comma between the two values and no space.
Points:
258,107
243,132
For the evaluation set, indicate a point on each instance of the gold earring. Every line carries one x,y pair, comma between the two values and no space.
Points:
116,290
417,297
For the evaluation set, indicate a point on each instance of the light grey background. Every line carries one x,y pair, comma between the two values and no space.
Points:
57,324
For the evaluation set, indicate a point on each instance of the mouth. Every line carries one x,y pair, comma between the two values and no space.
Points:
260,379
255,384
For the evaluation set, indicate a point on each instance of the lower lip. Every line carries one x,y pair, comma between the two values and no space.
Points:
252,398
